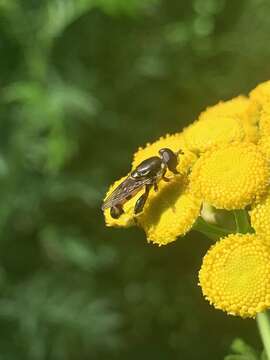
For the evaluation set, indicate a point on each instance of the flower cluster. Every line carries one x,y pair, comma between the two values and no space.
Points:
223,164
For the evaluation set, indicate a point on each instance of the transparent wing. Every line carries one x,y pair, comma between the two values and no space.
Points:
129,187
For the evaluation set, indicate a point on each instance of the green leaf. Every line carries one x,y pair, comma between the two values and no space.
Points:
243,351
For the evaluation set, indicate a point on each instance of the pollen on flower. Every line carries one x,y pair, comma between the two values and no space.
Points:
231,177
170,213
260,216
235,275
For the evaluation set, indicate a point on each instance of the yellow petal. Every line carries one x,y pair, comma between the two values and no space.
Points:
235,275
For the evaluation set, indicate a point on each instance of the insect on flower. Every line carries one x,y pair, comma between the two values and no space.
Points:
147,174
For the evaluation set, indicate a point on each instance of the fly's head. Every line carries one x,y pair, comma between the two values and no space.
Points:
169,158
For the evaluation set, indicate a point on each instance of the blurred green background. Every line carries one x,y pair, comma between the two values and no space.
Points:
84,83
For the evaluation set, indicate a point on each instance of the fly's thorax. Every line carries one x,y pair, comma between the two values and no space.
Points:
148,168
161,172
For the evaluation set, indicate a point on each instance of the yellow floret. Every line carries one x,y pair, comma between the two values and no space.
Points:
259,103
264,121
260,216
203,134
170,212
261,94
234,107
235,275
264,145
231,177
224,122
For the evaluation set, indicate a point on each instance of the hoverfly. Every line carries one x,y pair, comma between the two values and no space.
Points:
147,174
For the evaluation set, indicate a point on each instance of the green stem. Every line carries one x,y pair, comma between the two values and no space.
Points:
242,221
263,322
214,232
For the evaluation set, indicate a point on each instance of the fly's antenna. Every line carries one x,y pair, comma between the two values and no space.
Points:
179,152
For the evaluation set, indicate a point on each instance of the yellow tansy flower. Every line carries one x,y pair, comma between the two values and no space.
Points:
264,120
236,106
231,177
235,275
172,210
259,102
264,145
260,216
261,94
220,124
170,213
204,134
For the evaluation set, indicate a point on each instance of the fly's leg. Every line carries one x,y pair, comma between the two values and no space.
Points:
164,178
116,211
155,186
142,199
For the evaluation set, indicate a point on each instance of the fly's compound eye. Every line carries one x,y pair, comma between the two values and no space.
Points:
170,159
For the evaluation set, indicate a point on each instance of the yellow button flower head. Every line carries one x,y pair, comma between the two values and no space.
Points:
203,134
170,213
260,216
231,177
261,94
264,145
221,123
236,106
235,275
264,120
172,210
259,100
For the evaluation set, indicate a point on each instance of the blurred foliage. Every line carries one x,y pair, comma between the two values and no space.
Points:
83,84
243,351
